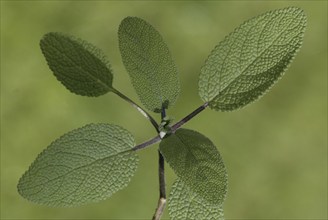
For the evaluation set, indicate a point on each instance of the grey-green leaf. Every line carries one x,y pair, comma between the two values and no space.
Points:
184,204
85,165
251,59
79,66
196,161
149,64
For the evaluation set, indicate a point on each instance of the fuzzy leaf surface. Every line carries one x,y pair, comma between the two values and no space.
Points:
148,61
196,161
85,165
184,204
251,59
79,66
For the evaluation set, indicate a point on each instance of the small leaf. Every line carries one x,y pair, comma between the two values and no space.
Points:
79,66
251,59
196,161
186,205
149,64
85,165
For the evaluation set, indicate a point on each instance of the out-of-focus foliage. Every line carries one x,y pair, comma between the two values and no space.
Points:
281,138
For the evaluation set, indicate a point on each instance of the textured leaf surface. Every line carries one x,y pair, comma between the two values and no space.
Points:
186,205
78,65
251,59
149,64
195,159
85,165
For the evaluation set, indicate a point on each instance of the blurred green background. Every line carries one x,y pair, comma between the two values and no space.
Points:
275,149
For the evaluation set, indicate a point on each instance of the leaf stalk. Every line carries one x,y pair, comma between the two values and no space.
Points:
188,117
136,106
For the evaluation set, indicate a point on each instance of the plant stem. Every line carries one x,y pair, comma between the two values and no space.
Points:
162,192
136,106
160,209
188,117
161,176
175,127
154,140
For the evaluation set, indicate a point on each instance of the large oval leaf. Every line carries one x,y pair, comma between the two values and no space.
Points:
251,59
79,66
195,159
184,204
149,64
85,165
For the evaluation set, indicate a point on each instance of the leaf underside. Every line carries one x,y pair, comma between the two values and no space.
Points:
196,161
85,165
186,205
251,59
79,66
148,61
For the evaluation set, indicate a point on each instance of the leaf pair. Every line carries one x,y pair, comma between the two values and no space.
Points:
83,69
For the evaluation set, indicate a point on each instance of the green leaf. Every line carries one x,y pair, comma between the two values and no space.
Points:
79,66
251,59
149,64
196,161
186,205
85,165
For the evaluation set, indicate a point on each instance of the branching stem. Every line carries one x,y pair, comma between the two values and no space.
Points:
162,191
136,106
161,174
175,127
